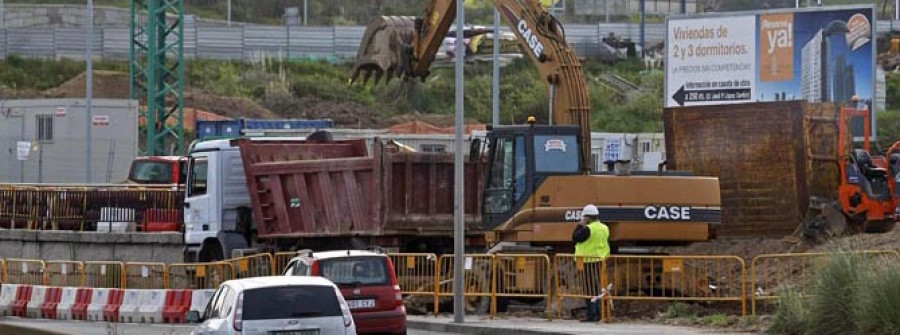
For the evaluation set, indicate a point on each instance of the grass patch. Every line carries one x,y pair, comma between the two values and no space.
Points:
680,310
850,294
716,320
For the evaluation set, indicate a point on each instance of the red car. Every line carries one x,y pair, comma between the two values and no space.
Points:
368,283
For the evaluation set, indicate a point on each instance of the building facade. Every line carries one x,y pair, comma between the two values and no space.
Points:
811,84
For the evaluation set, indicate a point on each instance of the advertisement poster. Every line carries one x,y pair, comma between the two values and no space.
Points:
817,55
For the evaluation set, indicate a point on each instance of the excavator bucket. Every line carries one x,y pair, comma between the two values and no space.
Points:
385,50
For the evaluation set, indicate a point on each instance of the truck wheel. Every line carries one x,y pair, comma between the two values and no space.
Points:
211,252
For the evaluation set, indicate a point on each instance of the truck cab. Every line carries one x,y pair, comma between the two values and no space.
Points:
217,204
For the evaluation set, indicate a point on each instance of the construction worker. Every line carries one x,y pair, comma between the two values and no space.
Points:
592,244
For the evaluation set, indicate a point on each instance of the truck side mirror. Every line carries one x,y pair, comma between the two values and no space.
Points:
475,150
193,317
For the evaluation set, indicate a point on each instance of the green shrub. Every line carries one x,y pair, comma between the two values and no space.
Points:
878,308
791,313
834,290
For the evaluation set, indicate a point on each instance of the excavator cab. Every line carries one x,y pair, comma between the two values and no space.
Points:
519,159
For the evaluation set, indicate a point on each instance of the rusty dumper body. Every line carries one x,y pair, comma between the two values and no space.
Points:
336,194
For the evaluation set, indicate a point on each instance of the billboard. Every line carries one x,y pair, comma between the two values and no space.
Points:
819,54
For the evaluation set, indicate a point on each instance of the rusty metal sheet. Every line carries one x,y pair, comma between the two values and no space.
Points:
761,153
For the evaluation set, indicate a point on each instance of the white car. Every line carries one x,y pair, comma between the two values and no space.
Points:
276,306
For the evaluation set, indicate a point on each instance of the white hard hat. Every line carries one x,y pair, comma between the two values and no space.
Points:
590,210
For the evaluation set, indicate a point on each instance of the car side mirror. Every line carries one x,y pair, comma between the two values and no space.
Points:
475,150
193,317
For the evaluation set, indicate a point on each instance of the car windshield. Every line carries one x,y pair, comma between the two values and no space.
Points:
290,302
151,172
372,270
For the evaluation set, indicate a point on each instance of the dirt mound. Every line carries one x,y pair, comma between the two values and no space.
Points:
107,84
437,120
232,107
345,114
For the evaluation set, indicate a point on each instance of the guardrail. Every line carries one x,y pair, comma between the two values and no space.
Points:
103,207
490,279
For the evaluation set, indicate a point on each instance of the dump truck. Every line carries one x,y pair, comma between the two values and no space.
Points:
276,194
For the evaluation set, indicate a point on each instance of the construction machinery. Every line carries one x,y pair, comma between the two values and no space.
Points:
865,199
537,178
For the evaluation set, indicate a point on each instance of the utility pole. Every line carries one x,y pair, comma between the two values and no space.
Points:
305,11
89,90
459,235
229,13
496,106
643,9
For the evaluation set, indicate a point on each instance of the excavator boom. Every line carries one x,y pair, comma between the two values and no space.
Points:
405,47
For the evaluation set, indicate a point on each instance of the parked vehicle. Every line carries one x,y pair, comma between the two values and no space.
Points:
336,196
275,305
367,281
158,170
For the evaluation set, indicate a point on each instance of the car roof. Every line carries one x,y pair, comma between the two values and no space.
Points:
340,253
274,281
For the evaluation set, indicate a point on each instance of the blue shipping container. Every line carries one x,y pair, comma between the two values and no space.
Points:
286,124
206,129
230,128
218,129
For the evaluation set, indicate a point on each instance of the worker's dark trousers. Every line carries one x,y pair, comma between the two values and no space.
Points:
594,285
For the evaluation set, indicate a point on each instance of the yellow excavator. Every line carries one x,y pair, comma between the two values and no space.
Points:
538,177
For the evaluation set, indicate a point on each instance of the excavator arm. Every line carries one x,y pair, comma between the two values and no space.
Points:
395,47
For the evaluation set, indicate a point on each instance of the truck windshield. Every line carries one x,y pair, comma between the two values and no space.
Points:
151,172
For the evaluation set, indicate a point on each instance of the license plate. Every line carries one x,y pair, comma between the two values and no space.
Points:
366,303
298,332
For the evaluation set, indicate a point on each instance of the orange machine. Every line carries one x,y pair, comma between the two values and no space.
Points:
865,196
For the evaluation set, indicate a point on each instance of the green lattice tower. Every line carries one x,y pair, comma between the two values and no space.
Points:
157,73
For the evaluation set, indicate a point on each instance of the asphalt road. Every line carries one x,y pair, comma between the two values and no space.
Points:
20,326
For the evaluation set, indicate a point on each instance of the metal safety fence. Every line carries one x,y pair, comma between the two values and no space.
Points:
521,276
281,261
579,278
104,274
253,266
773,273
491,280
146,275
63,273
677,278
103,208
23,271
478,280
416,274
198,275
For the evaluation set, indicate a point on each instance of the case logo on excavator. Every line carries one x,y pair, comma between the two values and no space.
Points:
667,213
573,215
536,46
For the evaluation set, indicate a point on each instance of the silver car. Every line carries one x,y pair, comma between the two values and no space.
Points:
276,306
